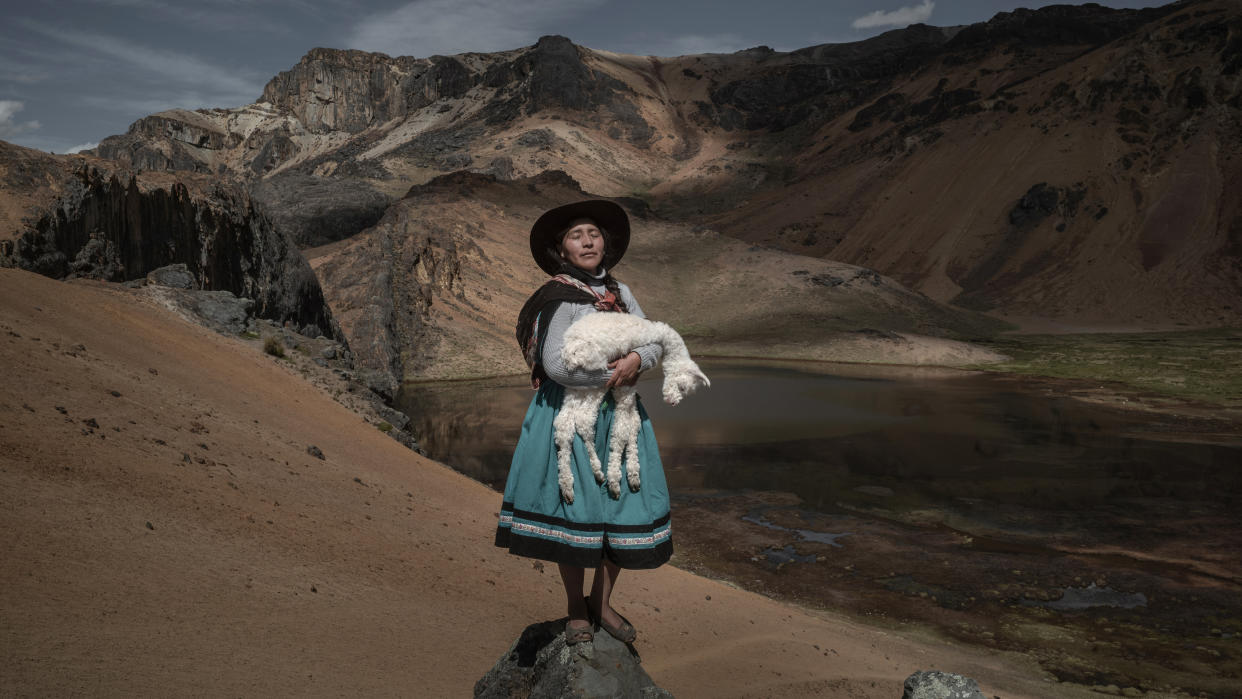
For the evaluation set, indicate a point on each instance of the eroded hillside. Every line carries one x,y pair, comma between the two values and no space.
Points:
1069,162
433,289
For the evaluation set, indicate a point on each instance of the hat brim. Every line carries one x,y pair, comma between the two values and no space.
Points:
545,234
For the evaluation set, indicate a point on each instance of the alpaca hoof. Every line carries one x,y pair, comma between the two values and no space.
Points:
614,489
567,497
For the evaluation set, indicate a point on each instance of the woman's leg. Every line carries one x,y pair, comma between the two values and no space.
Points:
572,578
601,592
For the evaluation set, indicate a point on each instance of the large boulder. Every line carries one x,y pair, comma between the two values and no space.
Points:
933,684
176,276
540,664
219,310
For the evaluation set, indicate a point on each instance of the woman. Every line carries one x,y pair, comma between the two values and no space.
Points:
579,244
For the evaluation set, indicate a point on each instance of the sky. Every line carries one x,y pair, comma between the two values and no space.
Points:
75,71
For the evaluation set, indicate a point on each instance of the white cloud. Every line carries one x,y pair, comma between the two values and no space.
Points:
9,128
900,17
223,85
81,147
456,26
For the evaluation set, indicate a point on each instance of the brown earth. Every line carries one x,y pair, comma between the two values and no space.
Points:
442,276
167,532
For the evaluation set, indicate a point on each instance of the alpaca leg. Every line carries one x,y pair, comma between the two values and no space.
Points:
616,441
624,431
588,412
632,465
616,447
563,434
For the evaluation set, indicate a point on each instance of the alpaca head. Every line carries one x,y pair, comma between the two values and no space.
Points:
683,383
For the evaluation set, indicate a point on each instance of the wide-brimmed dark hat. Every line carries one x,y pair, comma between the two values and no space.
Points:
545,234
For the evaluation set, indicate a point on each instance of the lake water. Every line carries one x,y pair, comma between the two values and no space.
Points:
1004,513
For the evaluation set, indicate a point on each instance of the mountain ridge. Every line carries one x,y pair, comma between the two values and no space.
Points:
1068,163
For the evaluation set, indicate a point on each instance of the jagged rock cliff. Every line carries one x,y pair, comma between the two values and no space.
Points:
906,152
98,221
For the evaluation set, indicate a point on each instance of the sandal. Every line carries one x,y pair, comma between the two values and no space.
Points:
574,635
625,632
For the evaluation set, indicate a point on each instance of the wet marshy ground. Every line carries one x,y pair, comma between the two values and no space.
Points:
1104,542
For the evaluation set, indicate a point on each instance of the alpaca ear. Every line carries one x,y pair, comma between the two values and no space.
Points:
703,377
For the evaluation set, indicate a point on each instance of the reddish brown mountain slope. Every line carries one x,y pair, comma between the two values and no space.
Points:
1096,190
1069,162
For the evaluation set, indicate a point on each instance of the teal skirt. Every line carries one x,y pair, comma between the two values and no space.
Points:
631,531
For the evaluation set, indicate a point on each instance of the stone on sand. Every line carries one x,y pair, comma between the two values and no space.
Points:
540,664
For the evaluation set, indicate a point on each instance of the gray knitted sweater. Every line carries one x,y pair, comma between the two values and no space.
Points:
565,315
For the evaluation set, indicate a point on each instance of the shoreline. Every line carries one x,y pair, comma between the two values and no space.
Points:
734,552
1111,393
173,531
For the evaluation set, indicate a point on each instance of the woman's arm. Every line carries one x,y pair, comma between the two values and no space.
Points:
562,318
649,354
553,364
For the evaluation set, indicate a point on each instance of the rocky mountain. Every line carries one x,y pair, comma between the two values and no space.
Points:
78,216
1069,162
1033,171
433,290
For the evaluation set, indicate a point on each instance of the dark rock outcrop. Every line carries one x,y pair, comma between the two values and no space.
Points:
540,665
176,276
318,210
219,310
334,90
110,225
388,282
551,75
822,81
1056,25
173,140
933,684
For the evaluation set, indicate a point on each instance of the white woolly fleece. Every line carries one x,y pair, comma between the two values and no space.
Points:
591,343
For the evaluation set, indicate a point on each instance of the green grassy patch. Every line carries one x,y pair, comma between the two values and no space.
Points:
1198,364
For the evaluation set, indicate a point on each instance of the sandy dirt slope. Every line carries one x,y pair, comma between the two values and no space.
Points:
167,533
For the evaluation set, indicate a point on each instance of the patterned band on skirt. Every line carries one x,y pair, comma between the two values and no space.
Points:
632,531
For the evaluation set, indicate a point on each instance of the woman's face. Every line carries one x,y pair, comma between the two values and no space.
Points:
583,245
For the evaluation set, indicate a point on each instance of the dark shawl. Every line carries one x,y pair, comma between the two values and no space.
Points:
543,303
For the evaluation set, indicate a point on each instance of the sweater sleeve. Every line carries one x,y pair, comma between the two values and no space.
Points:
554,340
649,354
565,315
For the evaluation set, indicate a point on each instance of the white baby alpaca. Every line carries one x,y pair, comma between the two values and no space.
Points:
591,343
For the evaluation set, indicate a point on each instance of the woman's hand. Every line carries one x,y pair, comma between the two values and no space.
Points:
624,370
